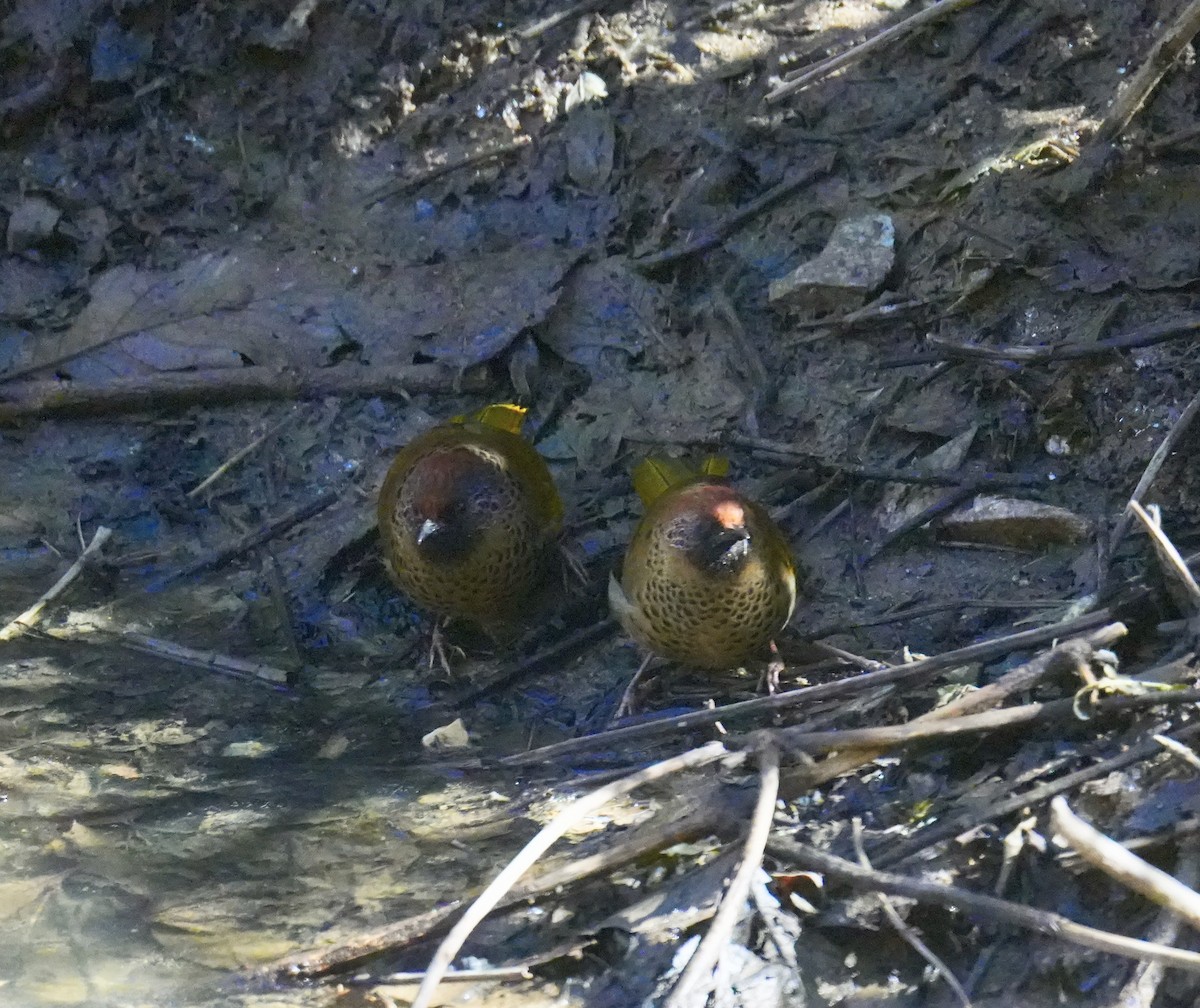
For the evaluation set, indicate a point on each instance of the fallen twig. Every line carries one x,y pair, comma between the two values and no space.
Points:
545,24
1050,924
20,400
707,818
697,978
914,671
1173,563
1161,453
798,79
1123,865
902,928
713,752
31,616
180,654
1167,48
1141,987
949,827
965,711
1150,335
394,187
888,737
235,458
251,540
740,217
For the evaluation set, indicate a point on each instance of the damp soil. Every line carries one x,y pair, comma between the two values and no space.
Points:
290,239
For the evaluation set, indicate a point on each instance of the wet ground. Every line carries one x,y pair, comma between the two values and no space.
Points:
315,232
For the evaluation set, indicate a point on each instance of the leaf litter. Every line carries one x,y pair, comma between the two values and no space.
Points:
370,208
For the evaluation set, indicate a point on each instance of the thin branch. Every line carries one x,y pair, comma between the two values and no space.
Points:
713,752
324,959
1050,924
1166,50
906,932
20,400
802,78
1140,989
240,455
1149,335
1161,453
210,661
1123,865
1167,553
618,738
251,540
739,218
697,977
394,187
551,20
887,737
32,616
965,709
952,826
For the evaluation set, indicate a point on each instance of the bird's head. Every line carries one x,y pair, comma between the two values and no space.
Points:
453,493
709,526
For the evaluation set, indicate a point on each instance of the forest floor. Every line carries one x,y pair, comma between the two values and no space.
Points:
290,239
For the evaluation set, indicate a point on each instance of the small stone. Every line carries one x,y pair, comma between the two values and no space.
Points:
852,266
31,223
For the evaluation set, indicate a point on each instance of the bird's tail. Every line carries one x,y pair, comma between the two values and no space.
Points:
655,475
502,416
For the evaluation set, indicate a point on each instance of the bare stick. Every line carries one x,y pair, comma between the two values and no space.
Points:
951,826
486,901
1168,554
697,978
906,932
1050,924
235,458
1123,865
741,216
325,959
1153,466
884,738
1140,989
209,661
1166,50
1018,679
251,540
802,78
397,186
32,616
177,389
912,672
1185,753
548,22
1149,335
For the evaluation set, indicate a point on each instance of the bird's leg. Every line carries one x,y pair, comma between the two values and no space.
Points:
439,647
574,572
774,670
627,697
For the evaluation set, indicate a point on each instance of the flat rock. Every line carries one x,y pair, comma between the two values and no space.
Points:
852,266
1007,521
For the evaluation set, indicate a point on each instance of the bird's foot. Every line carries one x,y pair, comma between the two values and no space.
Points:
441,649
775,668
626,705
574,572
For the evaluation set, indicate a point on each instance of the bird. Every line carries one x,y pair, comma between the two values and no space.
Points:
468,516
708,579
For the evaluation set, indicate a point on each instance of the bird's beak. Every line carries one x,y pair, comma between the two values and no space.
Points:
428,528
736,541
